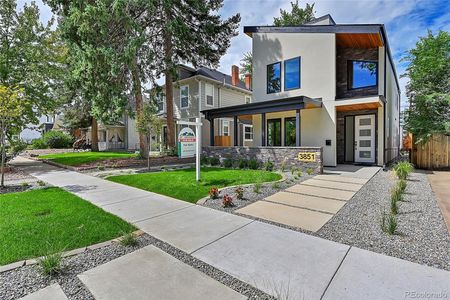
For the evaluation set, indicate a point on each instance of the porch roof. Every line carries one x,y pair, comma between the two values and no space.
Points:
253,108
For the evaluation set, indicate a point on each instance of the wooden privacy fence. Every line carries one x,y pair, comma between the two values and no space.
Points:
434,155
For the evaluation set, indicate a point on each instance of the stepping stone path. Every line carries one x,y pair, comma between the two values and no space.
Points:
313,202
52,292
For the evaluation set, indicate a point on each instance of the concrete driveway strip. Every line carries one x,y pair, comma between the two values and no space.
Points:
192,228
353,187
150,273
307,201
339,178
52,292
321,192
369,275
284,263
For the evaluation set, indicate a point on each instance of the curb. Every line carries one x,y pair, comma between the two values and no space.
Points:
33,261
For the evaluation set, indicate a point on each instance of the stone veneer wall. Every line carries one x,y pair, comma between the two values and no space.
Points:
275,154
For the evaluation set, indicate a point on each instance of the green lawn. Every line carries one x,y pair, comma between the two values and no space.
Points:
181,184
80,158
36,222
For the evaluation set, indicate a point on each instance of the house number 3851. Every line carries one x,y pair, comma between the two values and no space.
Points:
307,156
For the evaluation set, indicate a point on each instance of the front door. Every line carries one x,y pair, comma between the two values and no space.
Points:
365,139
274,132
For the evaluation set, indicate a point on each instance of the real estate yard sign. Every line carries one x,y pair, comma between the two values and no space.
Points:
186,143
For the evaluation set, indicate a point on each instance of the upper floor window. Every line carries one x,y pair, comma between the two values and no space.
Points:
209,91
274,78
184,96
292,74
362,74
248,99
160,101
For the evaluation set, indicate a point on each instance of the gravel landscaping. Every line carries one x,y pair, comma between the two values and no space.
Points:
422,234
19,282
17,180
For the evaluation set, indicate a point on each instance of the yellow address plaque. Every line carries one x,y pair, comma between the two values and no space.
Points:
307,156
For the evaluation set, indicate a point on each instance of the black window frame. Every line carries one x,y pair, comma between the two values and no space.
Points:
274,120
350,74
286,120
267,78
299,73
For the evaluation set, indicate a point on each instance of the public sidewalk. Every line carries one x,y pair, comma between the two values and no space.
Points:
281,262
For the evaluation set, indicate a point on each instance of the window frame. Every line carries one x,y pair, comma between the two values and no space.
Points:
206,94
299,73
249,99
267,77
223,127
286,120
181,100
243,132
161,99
350,74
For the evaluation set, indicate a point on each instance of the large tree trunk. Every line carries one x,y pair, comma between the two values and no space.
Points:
139,103
169,87
94,135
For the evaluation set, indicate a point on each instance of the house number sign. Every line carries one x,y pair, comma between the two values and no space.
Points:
307,156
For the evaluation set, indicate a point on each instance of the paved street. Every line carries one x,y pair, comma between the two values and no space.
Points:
268,257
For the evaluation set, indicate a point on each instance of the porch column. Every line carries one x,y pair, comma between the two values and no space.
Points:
263,129
211,132
297,128
236,127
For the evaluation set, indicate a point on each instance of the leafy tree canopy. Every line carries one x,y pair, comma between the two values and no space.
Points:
297,15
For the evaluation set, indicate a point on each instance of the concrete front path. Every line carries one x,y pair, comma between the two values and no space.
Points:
313,202
440,183
52,292
284,263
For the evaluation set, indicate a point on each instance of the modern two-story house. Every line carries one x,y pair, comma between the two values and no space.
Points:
322,84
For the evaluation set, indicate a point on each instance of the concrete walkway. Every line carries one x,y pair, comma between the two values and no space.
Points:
313,202
281,262
440,183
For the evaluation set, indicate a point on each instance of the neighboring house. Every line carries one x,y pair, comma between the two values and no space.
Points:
110,136
35,131
196,90
322,84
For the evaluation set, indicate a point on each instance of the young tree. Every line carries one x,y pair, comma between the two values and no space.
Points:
428,89
297,16
11,108
191,32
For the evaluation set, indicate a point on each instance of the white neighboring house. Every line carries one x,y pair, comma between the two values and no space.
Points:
35,131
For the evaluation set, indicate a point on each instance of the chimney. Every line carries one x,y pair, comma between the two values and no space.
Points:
234,75
248,81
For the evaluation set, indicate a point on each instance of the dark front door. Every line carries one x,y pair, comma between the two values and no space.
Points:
289,132
274,132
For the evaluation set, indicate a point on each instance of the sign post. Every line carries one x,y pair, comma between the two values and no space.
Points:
189,143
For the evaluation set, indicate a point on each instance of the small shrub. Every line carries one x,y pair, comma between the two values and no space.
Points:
214,193
257,188
129,239
39,144
309,171
401,185
51,264
283,165
403,169
276,185
243,163
293,170
239,193
25,184
299,173
214,161
57,139
17,146
394,206
396,194
228,163
388,223
253,164
204,160
227,201
40,183
268,166
296,177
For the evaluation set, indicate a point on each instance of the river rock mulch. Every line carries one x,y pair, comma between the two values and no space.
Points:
422,236
22,281
251,195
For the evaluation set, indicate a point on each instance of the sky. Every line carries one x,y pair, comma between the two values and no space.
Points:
405,22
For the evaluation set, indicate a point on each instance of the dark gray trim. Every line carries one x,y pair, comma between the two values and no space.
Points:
267,77
341,28
275,120
236,125
286,104
384,109
315,20
298,127
263,130
350,73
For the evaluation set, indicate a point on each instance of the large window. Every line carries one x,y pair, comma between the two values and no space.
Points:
160,102
225,127
290,132
209,94
362,74
184,96
248,133
292,74
274,78
274,132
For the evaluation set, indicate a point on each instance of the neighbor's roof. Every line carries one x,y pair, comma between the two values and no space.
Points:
212,74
